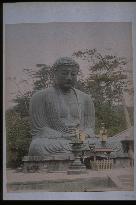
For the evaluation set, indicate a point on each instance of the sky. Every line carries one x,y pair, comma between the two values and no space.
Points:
28,44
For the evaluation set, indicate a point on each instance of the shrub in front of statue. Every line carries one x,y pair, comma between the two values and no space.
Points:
17,138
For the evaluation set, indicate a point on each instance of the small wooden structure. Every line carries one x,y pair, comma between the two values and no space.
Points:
101,164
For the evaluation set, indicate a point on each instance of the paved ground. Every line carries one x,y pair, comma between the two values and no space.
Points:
13,176
18,177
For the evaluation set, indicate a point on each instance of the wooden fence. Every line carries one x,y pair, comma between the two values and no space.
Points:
102,164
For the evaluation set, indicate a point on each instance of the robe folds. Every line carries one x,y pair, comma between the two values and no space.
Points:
52,116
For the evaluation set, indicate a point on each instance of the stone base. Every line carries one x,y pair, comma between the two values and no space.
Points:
55,163
77,167
58,165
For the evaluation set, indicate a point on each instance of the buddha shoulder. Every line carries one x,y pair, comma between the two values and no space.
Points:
43,93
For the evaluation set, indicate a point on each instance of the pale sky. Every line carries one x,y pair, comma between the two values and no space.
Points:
29,44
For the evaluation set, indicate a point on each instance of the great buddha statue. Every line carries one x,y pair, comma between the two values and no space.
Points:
58,111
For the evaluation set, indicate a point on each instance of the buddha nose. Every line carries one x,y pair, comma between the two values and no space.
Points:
69,76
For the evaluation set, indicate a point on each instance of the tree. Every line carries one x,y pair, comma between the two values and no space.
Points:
107,77
41,78
22,103
106,82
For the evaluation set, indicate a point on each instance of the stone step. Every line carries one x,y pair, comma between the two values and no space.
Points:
123,182
127,185
125,177
129,177
126,181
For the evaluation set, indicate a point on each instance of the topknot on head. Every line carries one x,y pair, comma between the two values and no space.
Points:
65,61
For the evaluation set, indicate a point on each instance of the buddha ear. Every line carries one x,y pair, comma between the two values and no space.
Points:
52,74
55,72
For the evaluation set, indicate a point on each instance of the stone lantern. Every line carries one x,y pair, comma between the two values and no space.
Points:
77,167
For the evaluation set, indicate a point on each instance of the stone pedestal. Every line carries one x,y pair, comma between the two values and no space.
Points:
56,163
33,163
77,167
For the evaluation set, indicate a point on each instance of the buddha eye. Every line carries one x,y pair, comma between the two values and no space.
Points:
64,73
73,74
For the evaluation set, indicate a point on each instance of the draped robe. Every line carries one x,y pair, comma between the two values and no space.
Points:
52,114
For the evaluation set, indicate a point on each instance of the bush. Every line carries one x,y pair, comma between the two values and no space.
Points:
18,138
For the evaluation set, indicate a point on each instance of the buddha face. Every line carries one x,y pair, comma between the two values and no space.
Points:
66,77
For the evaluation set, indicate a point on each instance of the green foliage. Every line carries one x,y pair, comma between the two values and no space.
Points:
18,138
22,104
43,77
107,77
106,82
113,118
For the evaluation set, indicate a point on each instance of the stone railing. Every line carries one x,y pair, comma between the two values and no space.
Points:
102,164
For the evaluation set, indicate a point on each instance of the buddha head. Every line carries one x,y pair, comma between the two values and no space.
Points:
65,71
